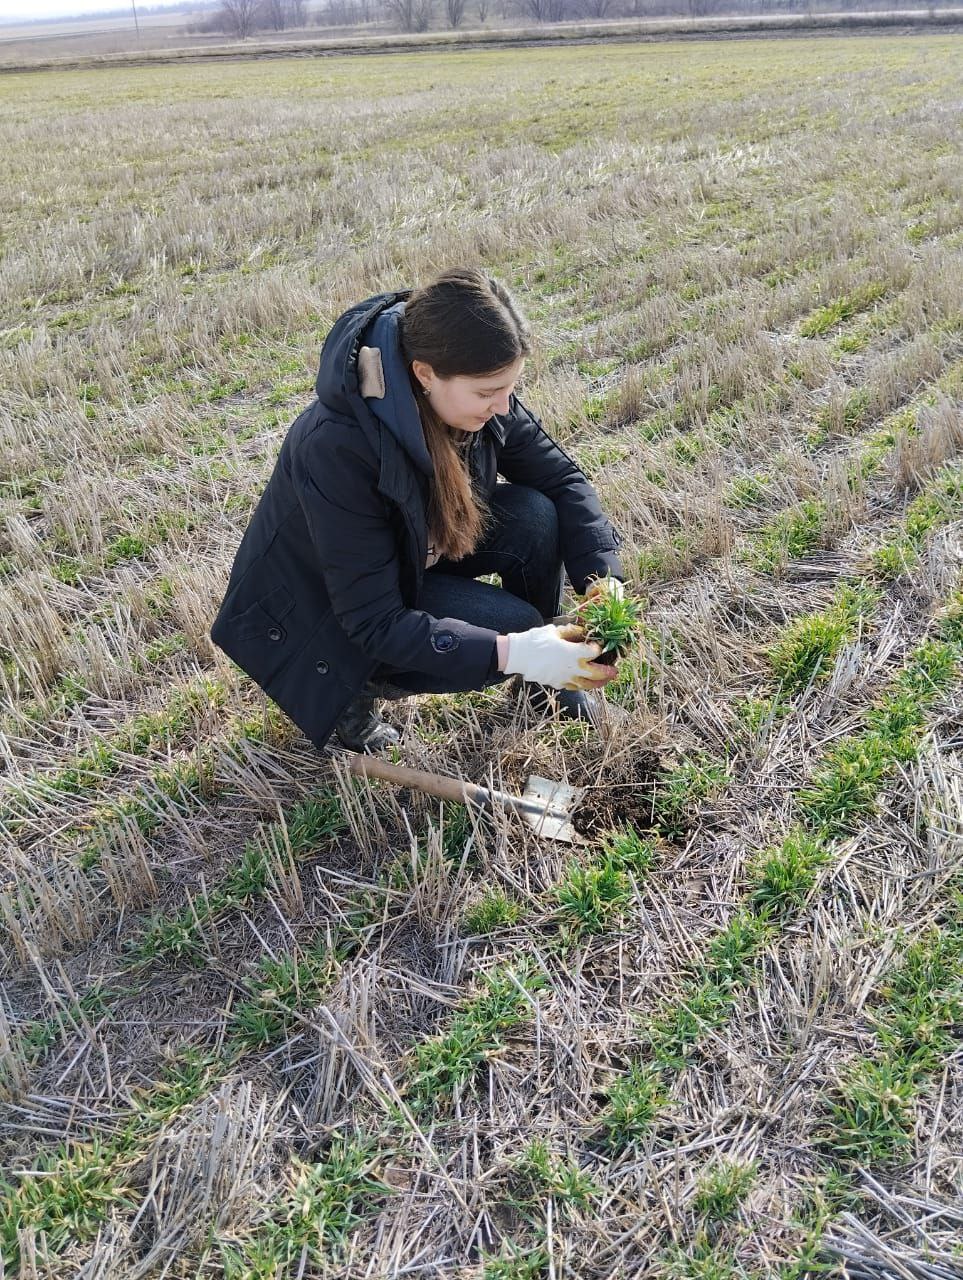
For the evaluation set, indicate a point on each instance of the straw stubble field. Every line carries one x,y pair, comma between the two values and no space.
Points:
259,1019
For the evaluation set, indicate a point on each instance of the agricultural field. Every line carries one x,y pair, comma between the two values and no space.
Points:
91,35
262,1019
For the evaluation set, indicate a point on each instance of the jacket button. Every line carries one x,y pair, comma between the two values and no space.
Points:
274,633
321,667
443,641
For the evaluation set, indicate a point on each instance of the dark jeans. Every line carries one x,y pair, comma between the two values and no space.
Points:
522,546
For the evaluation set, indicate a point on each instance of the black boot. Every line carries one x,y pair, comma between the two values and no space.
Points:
570,704
574,704
388,692
362,729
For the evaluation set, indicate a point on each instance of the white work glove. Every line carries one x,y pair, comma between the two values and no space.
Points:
554,655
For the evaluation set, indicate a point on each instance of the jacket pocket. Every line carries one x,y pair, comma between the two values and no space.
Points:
264,617
258,638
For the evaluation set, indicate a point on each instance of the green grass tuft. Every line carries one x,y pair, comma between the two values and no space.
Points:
682,789
747,491
950,621
538,1173
756,714
281,989
871,1120
493,911
632,1104
67,1196
592,897
312,1220
675,1030
722,1189
628,851
921,1007
515,1263
729,956
826,318
781,879
894,558
705,1259
807,646
789,535
846,786
930,671
445,1062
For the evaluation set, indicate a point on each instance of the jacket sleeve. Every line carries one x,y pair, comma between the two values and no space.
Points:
356,543
589,540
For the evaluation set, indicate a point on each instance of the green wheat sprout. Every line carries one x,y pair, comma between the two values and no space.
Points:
610,622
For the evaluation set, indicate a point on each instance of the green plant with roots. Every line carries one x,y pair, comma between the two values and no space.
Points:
610,622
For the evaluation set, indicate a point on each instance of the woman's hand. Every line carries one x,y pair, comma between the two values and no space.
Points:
556,656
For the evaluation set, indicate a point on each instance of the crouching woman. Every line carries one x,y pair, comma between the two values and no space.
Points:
357,577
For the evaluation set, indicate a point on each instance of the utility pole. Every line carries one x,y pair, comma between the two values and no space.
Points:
133,5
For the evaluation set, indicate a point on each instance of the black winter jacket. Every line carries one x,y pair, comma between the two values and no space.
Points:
325,581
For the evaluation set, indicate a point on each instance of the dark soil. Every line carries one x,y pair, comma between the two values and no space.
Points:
625,801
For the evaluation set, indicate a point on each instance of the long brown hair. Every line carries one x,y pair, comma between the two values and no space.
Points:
464,323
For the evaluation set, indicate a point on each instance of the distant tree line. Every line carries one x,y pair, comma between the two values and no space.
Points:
242,18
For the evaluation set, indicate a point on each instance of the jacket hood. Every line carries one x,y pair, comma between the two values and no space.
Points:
374,324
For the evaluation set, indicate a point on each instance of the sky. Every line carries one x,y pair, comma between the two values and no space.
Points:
24,10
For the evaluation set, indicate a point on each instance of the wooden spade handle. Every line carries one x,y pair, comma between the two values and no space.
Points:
434,784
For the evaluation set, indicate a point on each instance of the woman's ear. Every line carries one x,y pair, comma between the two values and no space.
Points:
422,371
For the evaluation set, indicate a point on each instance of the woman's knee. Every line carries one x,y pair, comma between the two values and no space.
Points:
520,502
517,615
480,603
